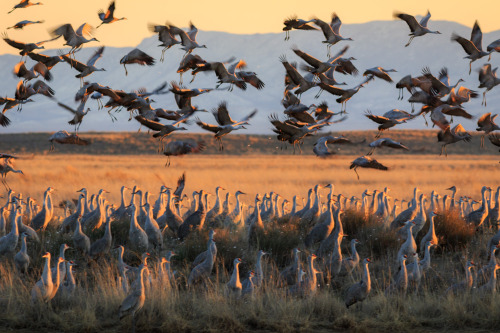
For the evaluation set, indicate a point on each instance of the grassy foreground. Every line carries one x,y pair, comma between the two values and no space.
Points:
95,304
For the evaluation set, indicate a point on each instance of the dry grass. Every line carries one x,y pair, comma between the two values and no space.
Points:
98,296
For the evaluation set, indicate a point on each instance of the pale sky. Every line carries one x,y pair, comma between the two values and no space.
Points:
258,16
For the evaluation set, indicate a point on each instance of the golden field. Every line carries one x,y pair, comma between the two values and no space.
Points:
286,175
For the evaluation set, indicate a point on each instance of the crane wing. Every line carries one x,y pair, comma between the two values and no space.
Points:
425,19
307,57
79,66
151,124
476,36
181,182
96,56
64,106
193,31
467,45
409,19
221,114
335,24
208,127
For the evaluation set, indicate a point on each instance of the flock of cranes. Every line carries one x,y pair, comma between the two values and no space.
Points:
438,96
157,228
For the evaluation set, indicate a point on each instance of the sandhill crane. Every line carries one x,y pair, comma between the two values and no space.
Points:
296,23
472,47
234,287
25,4
38,69
359,291
389,119
321,112
400,284
61,266
409,246
22,259
250,78
135,299
42,290
184,93
167,39
102,246
345,94
331,31
42,219
72,38
487,79
48,61
441,85
289,274
321,145
136,56
486,124
303,83
385,142
379,72
321,231
7,166
294,134
417,29
89,67
317,66
478,216
179,148
461,95
137,236
161,129
224,75
248,285
79,113
188,39
452,135
21,24
490,288
152,229
465,285
108,17
63,137
203,270
202,256
194,221
494,139
225,123
352,262
430,236
81,242
366,162
24,47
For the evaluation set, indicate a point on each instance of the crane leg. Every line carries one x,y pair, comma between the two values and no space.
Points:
180,78
126,72
426,123
470,67
370,152
409,42
133,323
356,171
484,99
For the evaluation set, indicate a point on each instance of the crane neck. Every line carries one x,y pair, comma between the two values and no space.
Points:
47,273
23,246
366,276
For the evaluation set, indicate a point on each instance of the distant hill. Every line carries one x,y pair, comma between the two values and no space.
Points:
378,43
132,143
